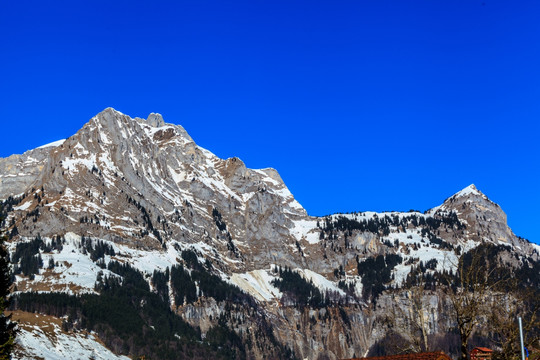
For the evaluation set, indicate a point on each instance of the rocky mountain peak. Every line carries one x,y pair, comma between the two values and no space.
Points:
470,190
168,187
467,195
485,220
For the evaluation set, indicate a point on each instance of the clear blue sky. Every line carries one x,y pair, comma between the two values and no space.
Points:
360,105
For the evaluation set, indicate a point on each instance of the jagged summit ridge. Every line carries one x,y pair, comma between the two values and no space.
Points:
113,121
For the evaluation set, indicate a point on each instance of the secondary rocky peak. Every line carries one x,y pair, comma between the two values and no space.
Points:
122,127
467,195
156,120
485,220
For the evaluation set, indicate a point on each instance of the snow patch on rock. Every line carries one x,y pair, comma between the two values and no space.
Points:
37,344
53,144
257,283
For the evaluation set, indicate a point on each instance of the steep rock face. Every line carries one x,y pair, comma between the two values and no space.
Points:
144,182
18,172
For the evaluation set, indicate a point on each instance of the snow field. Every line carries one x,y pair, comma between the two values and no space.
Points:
257,283
37,344
53,144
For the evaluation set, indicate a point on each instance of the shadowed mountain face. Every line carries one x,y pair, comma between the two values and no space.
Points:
147,190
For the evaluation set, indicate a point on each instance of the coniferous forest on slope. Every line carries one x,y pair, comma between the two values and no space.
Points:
133,320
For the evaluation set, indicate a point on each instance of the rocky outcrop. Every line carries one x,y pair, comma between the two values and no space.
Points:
19,172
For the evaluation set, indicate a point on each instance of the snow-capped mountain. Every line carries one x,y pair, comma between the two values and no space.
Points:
145,192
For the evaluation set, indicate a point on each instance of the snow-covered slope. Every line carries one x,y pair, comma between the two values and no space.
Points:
42,337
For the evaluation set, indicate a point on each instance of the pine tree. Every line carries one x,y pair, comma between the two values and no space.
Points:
7,327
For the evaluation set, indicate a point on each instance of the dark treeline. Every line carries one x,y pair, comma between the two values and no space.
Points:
96,248
493,268
147,221
7,205
184,283
27,259
222,227
131,319
376,272
298,290
528,272
381,225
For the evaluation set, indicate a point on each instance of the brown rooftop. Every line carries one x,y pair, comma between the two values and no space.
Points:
418,356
